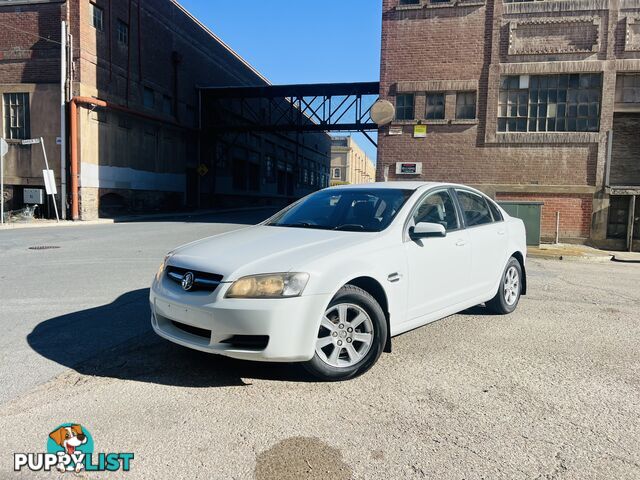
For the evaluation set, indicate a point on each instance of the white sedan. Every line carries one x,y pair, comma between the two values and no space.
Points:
331,278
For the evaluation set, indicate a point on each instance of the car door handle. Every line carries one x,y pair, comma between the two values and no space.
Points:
501,232
461,243
394,277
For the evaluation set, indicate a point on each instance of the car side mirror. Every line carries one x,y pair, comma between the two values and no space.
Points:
425,230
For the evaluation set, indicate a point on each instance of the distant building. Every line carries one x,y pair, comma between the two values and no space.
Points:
142,152
349,163
526,100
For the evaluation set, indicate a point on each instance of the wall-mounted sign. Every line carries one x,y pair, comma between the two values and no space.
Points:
419,131
49,182
408,168
397,130
30,141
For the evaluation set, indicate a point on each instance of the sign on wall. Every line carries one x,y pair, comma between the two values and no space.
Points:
419,131
408,168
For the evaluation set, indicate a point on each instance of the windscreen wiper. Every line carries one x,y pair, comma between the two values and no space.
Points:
299,225
350,227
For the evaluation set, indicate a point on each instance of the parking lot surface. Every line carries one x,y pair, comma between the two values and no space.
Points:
551,391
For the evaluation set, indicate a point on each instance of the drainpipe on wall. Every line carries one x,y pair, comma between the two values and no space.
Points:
95,102
63,121
632,217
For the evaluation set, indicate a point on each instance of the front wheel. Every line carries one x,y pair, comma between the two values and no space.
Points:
351,337
508,296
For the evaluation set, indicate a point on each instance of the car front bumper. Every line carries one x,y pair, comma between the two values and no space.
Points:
275,330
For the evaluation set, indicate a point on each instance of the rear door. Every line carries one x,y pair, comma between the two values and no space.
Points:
438,267
488,236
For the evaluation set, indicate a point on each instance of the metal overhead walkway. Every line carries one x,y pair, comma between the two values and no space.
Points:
342,107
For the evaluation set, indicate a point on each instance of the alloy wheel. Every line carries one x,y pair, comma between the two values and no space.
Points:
345,335
511,285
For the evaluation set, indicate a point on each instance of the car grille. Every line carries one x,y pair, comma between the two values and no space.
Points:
248,342
202,281
200,332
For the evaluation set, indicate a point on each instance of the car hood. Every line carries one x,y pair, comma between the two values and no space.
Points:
263,249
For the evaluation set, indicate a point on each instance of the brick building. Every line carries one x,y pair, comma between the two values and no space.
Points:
349,162
140,149
526,100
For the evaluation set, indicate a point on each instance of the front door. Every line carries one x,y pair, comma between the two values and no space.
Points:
439,267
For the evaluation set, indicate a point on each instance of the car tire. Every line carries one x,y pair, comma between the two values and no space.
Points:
508,295
348,307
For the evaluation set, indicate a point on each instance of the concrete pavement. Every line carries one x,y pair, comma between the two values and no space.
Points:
550,391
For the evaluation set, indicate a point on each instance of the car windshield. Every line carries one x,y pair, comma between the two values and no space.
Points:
356,210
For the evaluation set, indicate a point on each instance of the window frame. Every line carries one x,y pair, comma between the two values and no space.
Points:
95,9
24,131
146,90
461,94
122,30
427,105
405,107
338,171
565,93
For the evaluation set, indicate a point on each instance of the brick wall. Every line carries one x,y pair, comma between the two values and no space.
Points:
453,47
575,213
24,56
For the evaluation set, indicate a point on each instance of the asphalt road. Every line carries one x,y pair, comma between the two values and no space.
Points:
551,391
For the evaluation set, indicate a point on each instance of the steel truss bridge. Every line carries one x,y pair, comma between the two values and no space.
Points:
337,107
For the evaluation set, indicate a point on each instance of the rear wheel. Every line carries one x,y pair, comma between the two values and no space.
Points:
351,337
508,296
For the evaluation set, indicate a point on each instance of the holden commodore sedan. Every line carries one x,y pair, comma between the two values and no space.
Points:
330,279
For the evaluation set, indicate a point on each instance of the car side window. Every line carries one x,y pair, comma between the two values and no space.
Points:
439,208
495,211
474,207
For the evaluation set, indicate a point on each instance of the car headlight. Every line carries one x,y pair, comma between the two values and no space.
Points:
271,285
163,266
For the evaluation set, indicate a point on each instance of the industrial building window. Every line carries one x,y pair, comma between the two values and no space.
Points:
466,105
405,106
336,173
123,33
148,97
97,17
435,106
167,105
550,103
16,115
628,88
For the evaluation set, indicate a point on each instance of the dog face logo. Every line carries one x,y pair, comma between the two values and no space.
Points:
69,438
187,281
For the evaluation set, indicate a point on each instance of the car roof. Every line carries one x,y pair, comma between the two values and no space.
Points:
401,185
